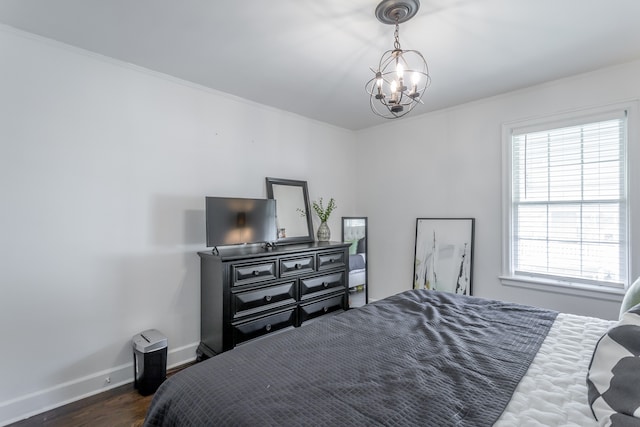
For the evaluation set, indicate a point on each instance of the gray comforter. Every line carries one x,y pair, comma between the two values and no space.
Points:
419,358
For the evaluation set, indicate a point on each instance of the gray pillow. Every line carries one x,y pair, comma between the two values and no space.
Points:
613,379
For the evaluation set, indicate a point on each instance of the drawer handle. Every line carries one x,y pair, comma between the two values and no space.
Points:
256,273
325,284
298,266
267,298
331,260
325,309
268,327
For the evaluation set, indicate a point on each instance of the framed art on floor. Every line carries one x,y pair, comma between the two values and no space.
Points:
444,254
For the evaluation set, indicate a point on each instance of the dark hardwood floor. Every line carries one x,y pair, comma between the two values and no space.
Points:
119,407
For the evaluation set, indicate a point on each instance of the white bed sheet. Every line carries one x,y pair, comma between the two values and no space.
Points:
554,390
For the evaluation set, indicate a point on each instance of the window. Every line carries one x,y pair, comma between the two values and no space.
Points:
566,200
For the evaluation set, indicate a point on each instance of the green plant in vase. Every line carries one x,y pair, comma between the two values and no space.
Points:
324,233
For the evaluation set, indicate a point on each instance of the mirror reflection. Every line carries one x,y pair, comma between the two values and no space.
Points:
354,231
290,201
293,217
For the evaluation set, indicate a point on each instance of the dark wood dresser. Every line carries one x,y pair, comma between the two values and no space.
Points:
249,292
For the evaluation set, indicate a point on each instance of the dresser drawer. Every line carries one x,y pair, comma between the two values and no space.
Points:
250,302
315,286
331,260
245,331
248,273
299,265
318,308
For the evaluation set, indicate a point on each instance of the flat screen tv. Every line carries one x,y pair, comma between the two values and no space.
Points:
233,221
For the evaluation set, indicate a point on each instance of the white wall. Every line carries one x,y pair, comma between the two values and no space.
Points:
448,164
103,173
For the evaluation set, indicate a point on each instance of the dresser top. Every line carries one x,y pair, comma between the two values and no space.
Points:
252,251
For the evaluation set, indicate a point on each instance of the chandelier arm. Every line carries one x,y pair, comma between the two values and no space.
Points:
386,59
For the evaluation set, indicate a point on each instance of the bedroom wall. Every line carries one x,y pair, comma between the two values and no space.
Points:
448,164
103,172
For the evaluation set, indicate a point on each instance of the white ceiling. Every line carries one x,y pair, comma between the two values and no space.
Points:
312,57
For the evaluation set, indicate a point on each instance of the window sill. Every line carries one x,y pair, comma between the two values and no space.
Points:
566,288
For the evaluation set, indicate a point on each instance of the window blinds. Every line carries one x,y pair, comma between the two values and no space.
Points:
569,202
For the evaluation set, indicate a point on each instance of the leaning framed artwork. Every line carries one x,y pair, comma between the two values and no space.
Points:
444,254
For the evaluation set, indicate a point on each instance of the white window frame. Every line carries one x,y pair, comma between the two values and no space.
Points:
568,286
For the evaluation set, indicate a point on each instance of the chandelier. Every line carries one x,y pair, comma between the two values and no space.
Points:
402,76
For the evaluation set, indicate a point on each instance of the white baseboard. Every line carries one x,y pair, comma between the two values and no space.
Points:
26,406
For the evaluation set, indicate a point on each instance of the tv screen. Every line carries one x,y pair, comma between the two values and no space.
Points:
232,221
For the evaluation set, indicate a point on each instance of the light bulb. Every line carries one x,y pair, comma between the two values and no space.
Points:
399,70
379,81
415,78
394,91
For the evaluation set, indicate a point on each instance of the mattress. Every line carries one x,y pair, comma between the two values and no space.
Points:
554,390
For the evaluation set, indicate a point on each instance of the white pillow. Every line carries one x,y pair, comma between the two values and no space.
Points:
613,379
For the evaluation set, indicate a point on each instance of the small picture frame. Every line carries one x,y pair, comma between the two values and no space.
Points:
444,254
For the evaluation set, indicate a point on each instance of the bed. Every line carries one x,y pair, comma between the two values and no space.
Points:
416,358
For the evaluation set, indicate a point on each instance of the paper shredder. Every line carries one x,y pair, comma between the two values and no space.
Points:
149,361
